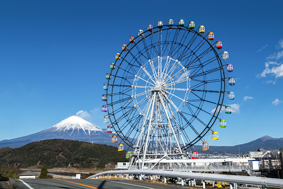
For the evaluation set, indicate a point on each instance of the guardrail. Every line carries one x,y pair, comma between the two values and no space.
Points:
267,182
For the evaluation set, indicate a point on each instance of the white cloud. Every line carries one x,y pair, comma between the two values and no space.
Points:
83,114
276,56
261,49
276,70
247,98
94,116
276,102
234,107
280,44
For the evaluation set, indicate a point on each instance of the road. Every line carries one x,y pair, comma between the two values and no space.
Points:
86,184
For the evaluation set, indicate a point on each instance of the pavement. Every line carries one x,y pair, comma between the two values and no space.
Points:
86,184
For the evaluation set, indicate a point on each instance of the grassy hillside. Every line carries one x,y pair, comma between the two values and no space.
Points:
61,153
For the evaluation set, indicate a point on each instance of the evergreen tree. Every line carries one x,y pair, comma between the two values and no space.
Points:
43,173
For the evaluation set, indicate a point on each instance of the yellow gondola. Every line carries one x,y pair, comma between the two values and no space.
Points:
201,29
121,147
117,57
214,135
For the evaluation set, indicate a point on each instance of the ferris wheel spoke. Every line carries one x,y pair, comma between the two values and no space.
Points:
160,42
184,71
205,73
145,71
179,81
153,46
207,91
201,109
129,123
172,69
120,101
188,123
124,78
140,52
135,58
175,96
142,87
182,41
146,47
124,92
125,70
198,58
129,63
177,89
141,94
175,38
188,46
144,80
176,108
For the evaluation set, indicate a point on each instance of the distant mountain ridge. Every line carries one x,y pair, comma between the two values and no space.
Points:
73,128
266,142
76,128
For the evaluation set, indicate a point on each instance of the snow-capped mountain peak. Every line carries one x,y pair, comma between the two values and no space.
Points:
76,123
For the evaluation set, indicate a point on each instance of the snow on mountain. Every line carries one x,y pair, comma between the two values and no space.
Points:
76,123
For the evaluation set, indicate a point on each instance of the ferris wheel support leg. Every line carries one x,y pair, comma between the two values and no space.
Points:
148,130
170,125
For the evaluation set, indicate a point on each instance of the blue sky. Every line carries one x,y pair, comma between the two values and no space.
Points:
54,56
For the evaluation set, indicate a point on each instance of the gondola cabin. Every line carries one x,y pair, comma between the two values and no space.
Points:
109,129
106,119
225,55
117,56
201,29
205,146
192,25
114,138
124,47
140,33
149,27
181,22
222,123
219,44
231,95
160,24
231,81
170,22
210,35
132,39
214,135
195,155
228,109
128,154
108,75
104,98
112,65
105,86
121,147
229,68
104,108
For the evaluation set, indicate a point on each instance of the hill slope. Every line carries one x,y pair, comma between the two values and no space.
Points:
61,153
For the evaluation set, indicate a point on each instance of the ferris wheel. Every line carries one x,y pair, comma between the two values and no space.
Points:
167,88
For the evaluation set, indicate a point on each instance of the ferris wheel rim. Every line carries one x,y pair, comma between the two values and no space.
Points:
221,96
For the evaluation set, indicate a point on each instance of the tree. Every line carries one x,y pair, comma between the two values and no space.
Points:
43,173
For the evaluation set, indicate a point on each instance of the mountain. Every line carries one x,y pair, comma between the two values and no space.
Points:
61,153
265,142
74,128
